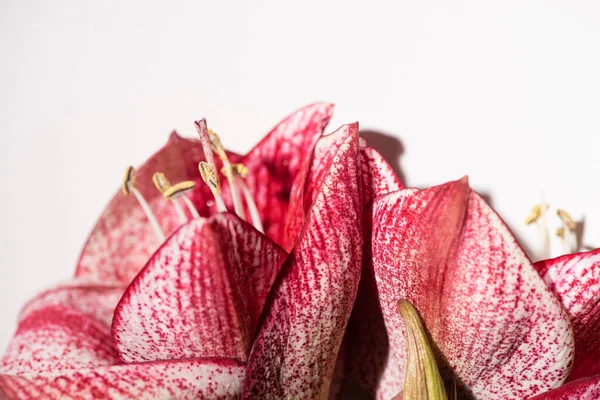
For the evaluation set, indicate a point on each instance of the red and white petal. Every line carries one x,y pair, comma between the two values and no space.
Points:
310,178
64,328
378,176
58,338
581,389
123,240
306,314
93,299
208,378
490,315
200,295
575,280
274,163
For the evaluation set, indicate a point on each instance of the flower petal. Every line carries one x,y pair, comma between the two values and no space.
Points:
581,389
378,176
64,328
310,178
575,280
123,240
492,318
307,311
275,161
200,295
203,378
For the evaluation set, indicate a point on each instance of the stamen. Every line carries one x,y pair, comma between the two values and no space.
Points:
567,232
538,215
128,187
566,219
162,184
212,180
218,148
240,171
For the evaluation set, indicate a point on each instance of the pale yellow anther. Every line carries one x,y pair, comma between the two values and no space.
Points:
161,182
179,189
560,232
566,219
215,144
128,180
237,170
209,176
534,215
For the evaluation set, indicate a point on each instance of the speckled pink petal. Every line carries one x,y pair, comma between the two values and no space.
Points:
575,280
366,337
310,179
64,328
200,295
378,176
305,316
123,240
490,315
203,378
275,161
581,389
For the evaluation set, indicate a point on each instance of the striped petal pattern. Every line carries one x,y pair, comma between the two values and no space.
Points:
581,389
200,295
495,323
209,378
575,280
61,329
305,316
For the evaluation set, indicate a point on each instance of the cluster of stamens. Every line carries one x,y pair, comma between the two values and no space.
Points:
234,173
566,232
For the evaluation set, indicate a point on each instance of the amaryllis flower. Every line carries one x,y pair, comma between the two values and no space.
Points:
185,323
575,280
497,330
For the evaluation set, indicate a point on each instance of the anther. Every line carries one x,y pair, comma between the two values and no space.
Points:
566,219
217,147
240,171
128,187
162,184
212,180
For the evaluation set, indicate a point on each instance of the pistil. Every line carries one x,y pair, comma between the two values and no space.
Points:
127,188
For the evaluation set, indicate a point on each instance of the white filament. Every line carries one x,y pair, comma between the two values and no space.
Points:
191,207
254,215
149,214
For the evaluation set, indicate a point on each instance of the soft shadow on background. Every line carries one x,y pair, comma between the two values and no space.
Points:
390,147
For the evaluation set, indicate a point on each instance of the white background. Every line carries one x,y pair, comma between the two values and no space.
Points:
506,92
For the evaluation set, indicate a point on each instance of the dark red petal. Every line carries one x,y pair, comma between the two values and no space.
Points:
308,308
490,315
64,328
575,280
203,378
123,240
581,389
275,161
200,295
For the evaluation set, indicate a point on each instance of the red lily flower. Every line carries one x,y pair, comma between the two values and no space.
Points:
497,329
575,280
185,325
